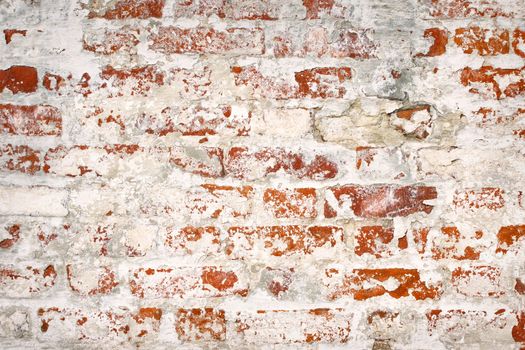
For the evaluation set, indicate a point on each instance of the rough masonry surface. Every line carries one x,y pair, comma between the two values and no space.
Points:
262,174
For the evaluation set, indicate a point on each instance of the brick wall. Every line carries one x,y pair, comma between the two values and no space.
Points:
262,174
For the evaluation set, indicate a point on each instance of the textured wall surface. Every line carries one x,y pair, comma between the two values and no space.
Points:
262,174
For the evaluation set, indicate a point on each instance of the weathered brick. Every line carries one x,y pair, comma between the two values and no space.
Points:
493,82
378,201
187,282
490,198
26,281
36,201
251,164
91,280
201,324
19,79
291,203
125,9
508,236
277,241
362,284
32,120
478,281
326,82
293,326
175,40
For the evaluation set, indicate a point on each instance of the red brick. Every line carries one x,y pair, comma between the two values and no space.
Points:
193,240
91,280
205,161
518,330
251,164
238,10
194,83
30,120
20,158
277,281
53,82
318,42
208,201
469,9
175,40
485,41
455,325
19,79
362,284
293,326
291,203
26,281
380,201
353,44
487,197
439,43
377,241
187,282
453,244
508,236
478,281
103,161
518,42
125,9
205,324
221,201
139,80
414,121
11,231
111,41
199,121
96,326
493,82
326,82
8,34
279,241
315,8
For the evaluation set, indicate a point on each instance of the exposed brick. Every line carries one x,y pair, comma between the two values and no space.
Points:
438,46
201,324
172,40
91,280
293,326
326,82
9,33
186,282
253,242
378,201
508,236
453,244
478,281
25,281
19,79
291,203
197,120
494,82
32,120
490,198
138,80
125,9
486,42
362,284
251,164
111,41
454,325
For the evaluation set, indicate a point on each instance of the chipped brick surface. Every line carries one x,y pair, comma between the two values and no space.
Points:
262,174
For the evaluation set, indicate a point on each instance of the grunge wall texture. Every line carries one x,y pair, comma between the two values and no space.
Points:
251,174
